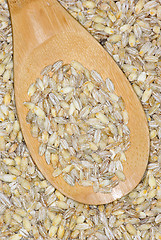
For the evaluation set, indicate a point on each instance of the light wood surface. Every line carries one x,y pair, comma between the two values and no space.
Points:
43,32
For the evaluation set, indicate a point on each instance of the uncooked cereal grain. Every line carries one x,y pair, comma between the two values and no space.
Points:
41,196
88,116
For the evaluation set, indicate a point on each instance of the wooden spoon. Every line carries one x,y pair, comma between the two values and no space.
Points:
43,33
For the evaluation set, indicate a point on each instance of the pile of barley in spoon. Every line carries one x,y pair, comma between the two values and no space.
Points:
81,125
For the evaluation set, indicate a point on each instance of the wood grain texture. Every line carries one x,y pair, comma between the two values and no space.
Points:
43,32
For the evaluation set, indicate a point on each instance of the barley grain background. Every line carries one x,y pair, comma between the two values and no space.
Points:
30,208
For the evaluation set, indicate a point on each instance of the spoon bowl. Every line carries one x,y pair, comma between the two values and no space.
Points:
43,33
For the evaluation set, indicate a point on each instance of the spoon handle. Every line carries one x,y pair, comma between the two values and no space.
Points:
38,21
18,4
